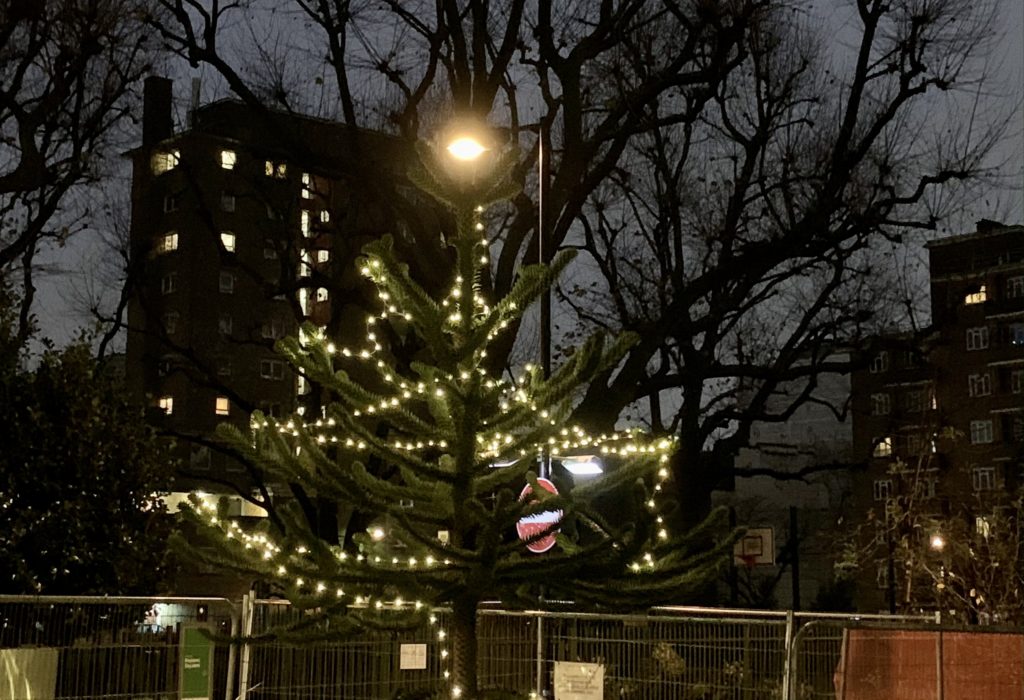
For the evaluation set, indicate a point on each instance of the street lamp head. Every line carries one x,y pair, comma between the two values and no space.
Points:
937,542
466,148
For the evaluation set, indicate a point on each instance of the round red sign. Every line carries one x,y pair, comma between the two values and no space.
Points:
534,524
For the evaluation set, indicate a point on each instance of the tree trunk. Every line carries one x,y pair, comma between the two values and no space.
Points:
464,648
694,478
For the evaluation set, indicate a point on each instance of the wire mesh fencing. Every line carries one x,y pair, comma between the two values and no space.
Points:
645,657
369,665
103,647
147,649
674,657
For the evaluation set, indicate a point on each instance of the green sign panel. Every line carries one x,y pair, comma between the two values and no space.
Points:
196,662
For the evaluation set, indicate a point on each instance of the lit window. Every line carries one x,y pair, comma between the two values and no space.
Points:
167,243
880,362
881,489
323,256
275,169
322,294
271,369
170,322
169,283
166,404
222,407
165,160
883,448
228,159
325,216
977,296
224,324
302,387
1015,287
307,189
983,478
979,385
977,338
981,432
227,202
304,223
170,203
227,283
304,300
881,404
227,239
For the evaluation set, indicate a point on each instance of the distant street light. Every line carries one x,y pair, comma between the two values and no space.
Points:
937,543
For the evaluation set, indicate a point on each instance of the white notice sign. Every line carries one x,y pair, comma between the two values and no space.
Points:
579,681
412,657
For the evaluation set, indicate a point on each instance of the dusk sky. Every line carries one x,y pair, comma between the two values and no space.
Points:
76,268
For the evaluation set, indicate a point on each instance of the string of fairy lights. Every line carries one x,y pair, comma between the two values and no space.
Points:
491,447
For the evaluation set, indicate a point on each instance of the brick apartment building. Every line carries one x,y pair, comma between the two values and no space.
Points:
243,225
948,405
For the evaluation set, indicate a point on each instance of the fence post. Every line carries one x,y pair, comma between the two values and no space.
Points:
540,656
788,665
248,610
229,685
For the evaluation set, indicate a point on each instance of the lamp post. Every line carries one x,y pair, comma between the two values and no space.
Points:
465,144
543,187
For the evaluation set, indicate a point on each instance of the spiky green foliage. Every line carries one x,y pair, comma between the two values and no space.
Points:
417,447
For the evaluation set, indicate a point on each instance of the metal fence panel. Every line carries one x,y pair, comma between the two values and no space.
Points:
676,658
99,647
113,648
363,667
646,657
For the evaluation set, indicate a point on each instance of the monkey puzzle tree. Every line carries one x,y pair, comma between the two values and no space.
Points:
420,444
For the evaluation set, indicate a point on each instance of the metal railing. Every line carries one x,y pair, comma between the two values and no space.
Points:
112,648
107,647
672,653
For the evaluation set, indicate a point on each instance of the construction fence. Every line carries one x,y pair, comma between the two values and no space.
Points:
189,648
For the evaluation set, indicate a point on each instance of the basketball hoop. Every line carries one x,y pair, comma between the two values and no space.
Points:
748,561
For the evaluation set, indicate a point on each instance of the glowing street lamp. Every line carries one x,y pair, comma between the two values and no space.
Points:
466,148
937,542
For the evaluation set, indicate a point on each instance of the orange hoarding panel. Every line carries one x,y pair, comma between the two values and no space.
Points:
877,664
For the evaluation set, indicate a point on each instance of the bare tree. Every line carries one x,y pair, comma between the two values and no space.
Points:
67,72
747,234
729,175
